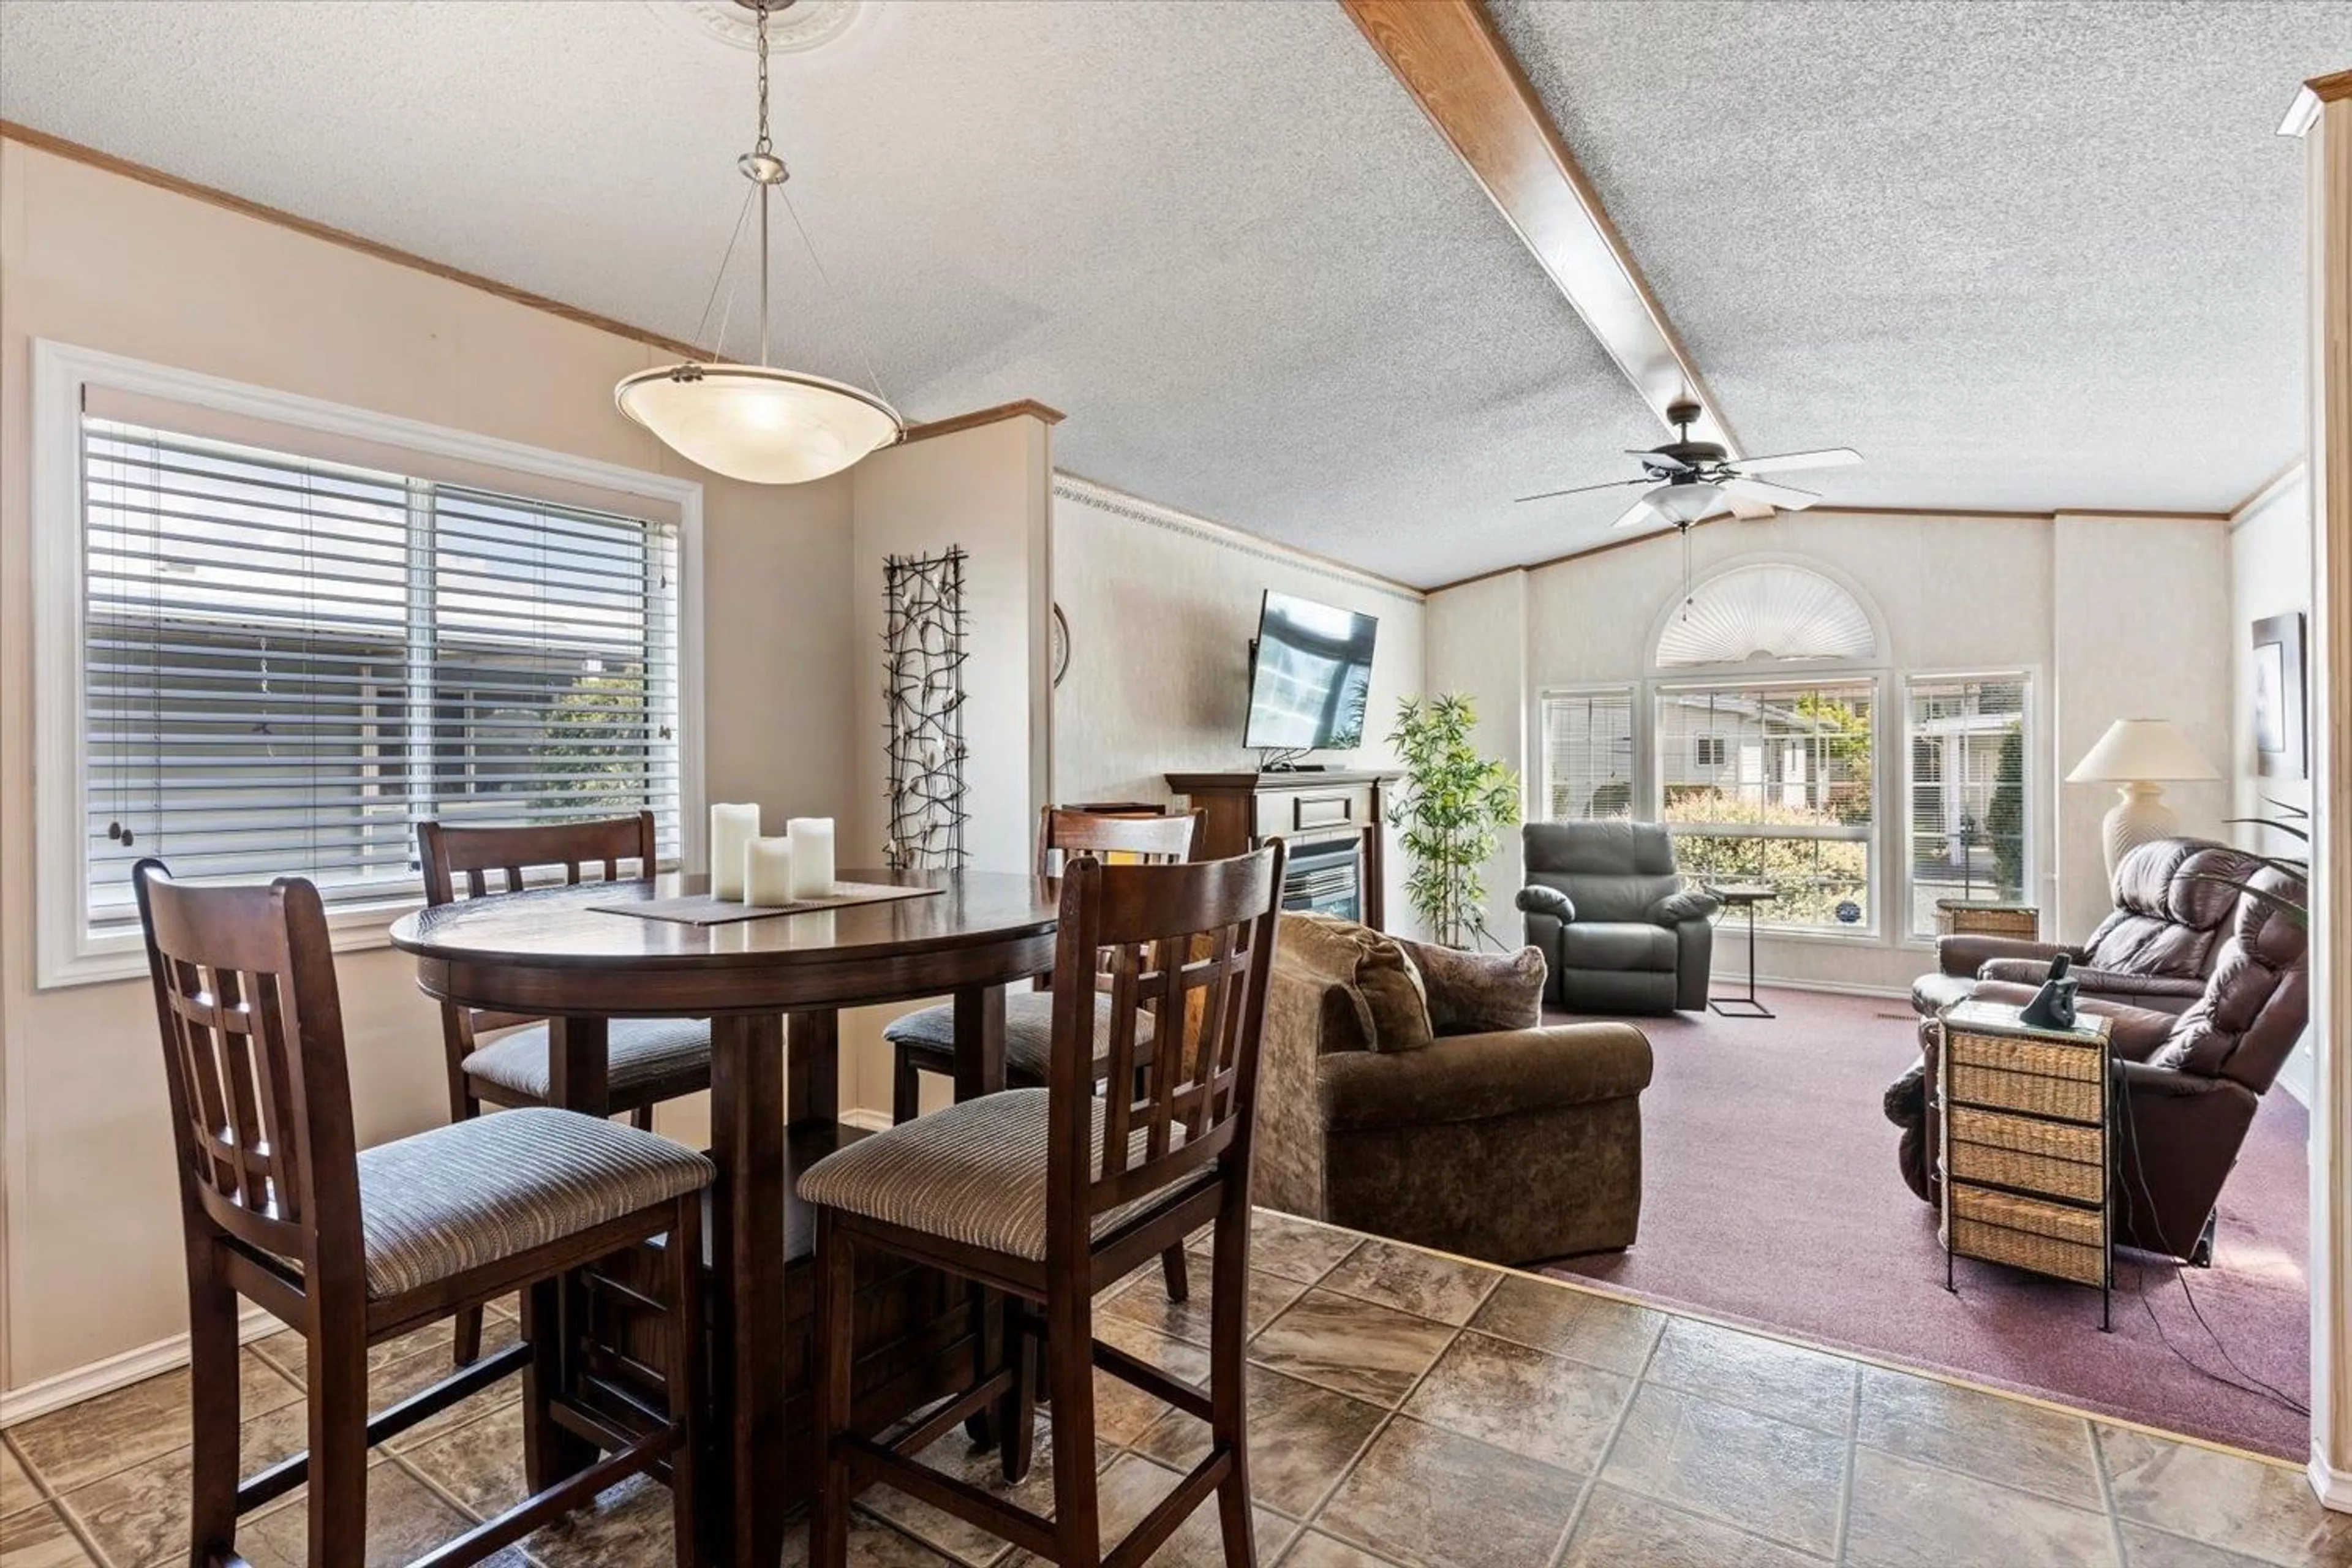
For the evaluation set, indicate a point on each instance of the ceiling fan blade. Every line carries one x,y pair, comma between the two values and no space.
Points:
1583,489
1640,512
1781,495
1658,460
1788,462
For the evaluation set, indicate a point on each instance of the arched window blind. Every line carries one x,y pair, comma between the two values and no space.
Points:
287,661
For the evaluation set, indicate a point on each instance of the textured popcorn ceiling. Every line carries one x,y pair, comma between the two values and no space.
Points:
2022,256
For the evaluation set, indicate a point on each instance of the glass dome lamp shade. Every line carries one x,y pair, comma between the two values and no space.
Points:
754,423
1685,504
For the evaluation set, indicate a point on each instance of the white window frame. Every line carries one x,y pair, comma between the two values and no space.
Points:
1632,690
1888,881
65,951
2038,783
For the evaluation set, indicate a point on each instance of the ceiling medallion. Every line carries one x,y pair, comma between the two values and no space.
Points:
794,27
757,422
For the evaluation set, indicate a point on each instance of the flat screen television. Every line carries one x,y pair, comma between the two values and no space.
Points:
1310,675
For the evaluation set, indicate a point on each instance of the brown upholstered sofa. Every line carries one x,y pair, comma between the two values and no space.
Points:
2189,1077
1512,1143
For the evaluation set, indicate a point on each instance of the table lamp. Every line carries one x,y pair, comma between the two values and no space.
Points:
2139,755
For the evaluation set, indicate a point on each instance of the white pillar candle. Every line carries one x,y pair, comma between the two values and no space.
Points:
731,827
768,871
811,856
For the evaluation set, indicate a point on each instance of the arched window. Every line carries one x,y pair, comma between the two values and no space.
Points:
1770,613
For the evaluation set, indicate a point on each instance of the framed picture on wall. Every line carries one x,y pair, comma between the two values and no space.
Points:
2280,748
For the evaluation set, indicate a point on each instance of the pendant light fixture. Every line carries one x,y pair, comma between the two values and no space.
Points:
754,422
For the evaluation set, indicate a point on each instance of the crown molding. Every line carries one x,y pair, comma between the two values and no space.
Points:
979,417
1135,509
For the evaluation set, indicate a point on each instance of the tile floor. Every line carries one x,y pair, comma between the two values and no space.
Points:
1405,1409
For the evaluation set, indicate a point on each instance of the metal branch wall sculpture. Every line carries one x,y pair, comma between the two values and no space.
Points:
923,655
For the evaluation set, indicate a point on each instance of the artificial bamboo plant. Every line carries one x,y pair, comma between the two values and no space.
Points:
1452,807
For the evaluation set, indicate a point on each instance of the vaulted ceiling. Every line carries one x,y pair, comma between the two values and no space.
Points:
2023,256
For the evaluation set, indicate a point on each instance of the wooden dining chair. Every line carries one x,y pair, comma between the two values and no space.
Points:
647,1060
1052,1195
352,1247
925,1041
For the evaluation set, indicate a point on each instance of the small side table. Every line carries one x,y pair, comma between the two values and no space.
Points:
1744,896
2026,1123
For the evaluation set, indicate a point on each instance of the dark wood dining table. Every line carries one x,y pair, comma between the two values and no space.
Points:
771,988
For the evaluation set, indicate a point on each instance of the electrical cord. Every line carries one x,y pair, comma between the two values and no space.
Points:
2252,1385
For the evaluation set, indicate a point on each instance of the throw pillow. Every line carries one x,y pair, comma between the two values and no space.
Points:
1480,993
1391,1005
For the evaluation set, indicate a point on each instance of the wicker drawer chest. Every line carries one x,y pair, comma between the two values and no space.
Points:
2025,1119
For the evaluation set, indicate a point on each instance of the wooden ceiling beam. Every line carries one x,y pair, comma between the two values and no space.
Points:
1455,65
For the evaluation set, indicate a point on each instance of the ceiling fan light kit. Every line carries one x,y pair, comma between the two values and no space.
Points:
755,422
1694,480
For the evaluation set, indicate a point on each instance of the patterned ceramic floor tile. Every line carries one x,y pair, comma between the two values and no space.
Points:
627,1527
1144,1300
1907,1515
1785,1382
2260,1511
1313,1548
38,1536
1733,1465
1355,1347
140,1515
479,1463
1422,1495
1134,1486
2003,1440
405,1522
1621,1530
17,1491
130,1425
954,1454
1615,1335
1414,1281
1544,1406
2146,1548
1301,1440
1293,1248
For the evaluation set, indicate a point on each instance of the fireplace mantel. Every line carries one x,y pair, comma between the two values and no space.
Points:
1242,810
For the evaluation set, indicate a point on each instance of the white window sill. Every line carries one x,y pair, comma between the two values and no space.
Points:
119,953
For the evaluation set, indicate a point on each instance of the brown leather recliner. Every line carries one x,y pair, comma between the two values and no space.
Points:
2188,1084
2154,950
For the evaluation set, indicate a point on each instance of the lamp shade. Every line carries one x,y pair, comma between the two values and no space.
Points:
2133,749
1681,504
749,422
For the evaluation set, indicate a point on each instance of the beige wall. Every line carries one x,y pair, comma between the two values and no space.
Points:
91,1249
2270,575
1477,638
983,489
2141,630
1161,608
2113,616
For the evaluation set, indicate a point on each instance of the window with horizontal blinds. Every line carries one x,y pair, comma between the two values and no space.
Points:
1587,754
1773,782
1967,823
286,662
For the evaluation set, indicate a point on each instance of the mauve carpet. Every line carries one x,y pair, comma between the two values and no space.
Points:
1771,1198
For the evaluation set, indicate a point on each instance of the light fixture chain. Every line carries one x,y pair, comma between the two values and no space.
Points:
762,145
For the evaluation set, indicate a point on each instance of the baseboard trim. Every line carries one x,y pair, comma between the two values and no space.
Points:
871,1120
110,1372
2331,1486
1828,987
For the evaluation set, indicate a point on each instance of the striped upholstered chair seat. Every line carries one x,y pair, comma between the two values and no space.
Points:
671,1053
1028,1033
454,1198
974,1173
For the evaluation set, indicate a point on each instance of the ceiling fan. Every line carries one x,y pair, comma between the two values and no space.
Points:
1694,480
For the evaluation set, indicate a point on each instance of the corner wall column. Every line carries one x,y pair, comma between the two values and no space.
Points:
2327,105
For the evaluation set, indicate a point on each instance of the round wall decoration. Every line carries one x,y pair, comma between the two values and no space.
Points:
1061,645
